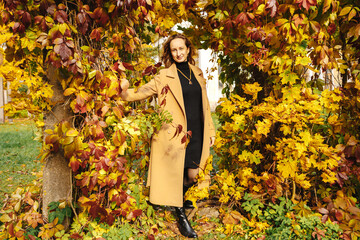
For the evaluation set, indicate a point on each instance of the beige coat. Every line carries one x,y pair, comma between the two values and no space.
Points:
167,156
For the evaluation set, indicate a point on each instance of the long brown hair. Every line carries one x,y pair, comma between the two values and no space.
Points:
167,58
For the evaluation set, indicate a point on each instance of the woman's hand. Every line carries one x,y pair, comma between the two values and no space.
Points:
124,85
212,141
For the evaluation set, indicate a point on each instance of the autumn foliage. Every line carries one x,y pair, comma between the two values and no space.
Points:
288,142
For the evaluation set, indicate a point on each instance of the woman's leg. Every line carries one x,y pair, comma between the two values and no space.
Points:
184,225
189,180
190,176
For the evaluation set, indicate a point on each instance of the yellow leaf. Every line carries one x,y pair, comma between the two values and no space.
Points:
257,188
228,108
301,180
72,133
182,10
62,28
352,14
305,137
285,129
260,9
288,168
263,127
345,11
69,91
5,218
252,89
329,177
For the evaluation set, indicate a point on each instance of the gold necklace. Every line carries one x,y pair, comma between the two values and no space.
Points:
190,82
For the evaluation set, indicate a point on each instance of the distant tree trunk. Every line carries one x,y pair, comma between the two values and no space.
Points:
2,100
57,175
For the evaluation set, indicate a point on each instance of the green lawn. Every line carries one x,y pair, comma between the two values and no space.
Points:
18,156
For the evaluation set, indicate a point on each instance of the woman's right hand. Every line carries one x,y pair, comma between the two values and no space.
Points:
124,85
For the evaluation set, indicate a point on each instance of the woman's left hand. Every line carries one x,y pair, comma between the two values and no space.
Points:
212,141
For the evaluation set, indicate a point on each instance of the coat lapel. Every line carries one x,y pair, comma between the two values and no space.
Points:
199,76
175,86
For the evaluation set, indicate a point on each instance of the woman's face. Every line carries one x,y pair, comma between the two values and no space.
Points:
178,49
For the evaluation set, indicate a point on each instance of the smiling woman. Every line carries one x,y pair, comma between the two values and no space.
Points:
18,156
181,90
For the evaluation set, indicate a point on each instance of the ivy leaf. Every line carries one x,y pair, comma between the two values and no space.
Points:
288,77
96,34
118,138
306,3
272,6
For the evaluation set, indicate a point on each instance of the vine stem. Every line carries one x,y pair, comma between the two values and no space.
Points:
294,191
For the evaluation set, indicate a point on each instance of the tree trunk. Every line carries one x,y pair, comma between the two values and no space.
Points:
2,102
2,99
57,175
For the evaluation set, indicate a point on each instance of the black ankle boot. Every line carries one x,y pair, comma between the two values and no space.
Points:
184,225
188,204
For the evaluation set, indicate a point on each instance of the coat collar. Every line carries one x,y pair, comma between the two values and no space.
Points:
175,85
172,73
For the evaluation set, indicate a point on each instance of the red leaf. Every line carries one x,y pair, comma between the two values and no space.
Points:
163,102
97,210
75,236
324,218
101,17
83,182
74,164
5,16
61,16
147,70
31,237
38,19
26,19
128,66
11,230
189,133
243,18
65,52
18,27
165,89
179,128
110,219
137,212
357,153
96,34
183,140
83,20
306,3
323,211
272,6
339,215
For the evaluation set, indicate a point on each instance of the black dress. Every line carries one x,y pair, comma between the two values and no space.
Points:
193,109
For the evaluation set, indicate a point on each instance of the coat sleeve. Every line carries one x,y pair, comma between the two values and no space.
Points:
147,90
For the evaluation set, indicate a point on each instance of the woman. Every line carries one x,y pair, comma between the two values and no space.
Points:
173,165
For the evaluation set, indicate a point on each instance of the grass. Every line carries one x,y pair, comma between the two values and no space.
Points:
18,156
